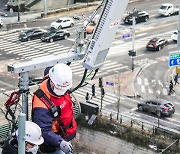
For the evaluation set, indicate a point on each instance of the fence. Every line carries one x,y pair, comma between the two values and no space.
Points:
139,123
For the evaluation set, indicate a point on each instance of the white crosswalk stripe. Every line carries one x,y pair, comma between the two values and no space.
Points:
140,43
152,87
35,48
30,49
109,66
109,98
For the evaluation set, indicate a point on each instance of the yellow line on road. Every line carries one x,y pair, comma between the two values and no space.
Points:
156,27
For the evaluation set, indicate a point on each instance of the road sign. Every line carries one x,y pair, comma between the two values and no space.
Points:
126,36
174,59
109,83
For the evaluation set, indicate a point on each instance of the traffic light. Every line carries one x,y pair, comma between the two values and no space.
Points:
100,82
102,92
132,53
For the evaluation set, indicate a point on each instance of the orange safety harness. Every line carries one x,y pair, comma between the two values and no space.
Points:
56,112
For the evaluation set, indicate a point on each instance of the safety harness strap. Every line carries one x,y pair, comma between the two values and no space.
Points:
42,96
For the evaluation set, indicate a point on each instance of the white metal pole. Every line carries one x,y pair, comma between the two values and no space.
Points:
21,133
178,39
133,33
45,7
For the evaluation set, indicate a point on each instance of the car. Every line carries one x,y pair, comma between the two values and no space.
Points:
174,36
90,28
62,23
35,33
55,35
168,9
3,14
156,44
77,17
140,16
159,107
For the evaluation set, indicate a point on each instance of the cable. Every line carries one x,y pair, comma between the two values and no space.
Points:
78,86
91,78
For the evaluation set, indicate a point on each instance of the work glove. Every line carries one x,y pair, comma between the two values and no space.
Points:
66,147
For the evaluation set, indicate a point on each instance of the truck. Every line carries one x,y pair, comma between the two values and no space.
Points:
168,9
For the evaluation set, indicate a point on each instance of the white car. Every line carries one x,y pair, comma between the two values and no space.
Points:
1,22
174,36
62,23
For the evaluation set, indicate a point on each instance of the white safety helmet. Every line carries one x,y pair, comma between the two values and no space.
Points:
61,76
33,133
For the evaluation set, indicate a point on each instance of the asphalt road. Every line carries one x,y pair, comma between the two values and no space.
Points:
117,61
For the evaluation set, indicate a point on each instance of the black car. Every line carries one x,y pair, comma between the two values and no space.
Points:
156,44
159,107
140,16
55,35
32,34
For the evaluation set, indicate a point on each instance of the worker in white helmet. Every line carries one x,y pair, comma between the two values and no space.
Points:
53,111
33,138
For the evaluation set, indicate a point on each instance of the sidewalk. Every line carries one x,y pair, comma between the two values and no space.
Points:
167,77
121,83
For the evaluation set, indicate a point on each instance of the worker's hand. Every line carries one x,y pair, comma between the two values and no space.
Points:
66,147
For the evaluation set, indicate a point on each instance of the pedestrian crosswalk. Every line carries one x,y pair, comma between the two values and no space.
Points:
154,87
109,67
35,48
109,100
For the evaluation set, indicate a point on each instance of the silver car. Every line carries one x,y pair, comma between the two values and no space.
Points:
159,107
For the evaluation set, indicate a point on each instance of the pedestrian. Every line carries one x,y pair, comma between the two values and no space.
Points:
176,79
53,111
93,90
33,138
171,90
87,97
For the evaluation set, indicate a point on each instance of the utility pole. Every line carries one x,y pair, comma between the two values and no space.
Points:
132,52
18,10
45,8
133,42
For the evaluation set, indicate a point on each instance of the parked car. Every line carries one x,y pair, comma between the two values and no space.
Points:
174,36
62,23
55,35
156,44
159,107
140,16
31,34
90,28
168,9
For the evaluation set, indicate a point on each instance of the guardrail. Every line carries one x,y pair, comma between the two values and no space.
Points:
140,123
